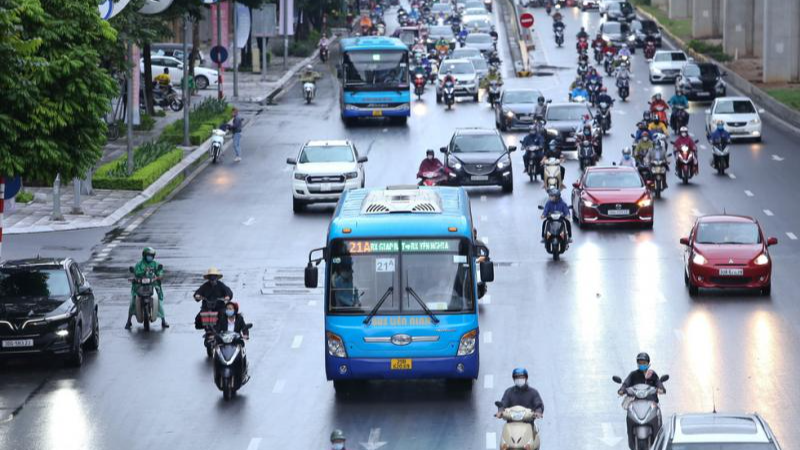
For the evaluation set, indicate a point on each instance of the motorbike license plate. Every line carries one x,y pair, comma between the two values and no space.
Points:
731,272
377,113
480,178
619,212
17,343
145,281
325,187
401,364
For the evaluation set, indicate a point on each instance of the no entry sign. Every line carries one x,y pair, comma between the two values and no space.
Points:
526,20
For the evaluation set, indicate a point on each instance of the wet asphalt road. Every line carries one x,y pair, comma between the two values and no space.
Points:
572,323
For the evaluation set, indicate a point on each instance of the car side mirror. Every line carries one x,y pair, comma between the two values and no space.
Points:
363,159
664,378
772,241
512,148
130,269
311,276
84,290
684,241
576,185
443,149
291,161
487,271
616,379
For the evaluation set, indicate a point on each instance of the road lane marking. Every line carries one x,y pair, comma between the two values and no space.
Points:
768,212
249,221
777,158
297,341
486,300
488,381
254,444
491,440
374,442
696,212
621,112
791,235
731,176
487,337
485,240
748,193
279,385
703,147
312,303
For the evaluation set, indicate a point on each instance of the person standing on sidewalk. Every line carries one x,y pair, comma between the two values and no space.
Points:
236,128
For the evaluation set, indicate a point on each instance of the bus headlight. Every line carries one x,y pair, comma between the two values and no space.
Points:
335,345
467,344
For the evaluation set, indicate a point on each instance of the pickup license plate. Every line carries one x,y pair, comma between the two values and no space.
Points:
401,364
480,178
326,187
731,272
17,343
377,113
619,212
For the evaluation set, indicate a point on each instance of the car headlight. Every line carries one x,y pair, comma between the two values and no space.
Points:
632,38
300,176
644,203
552,132
351,107
454,164
62,332
588,203
467,344
503,164
699,259
335,345
606,37
762,259
510,114
655,71
756,121
351,175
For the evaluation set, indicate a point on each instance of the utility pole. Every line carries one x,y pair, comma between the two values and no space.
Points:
187,94
285,13
219,44
235,49
129,109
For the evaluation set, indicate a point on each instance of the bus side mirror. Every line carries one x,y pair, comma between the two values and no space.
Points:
311,276
487,271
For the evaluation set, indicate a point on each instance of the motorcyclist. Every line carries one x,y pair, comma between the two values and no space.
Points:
657,126
534,138
541,108
493,75
554,151
656,103
678,100
557,23
233,321
720,134
323,42
592,77
147,264
642,147
603,97
641,128
624,50
448,77
599,42
627,158
163,80
462,35
557,17
578,80
337,440
579,91
521,395
213,287
309,75
685,139
493,34
429,164
642,375
441,45
582,34
494,59
555,203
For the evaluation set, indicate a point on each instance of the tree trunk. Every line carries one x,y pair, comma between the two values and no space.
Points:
148,79
195,46
2,206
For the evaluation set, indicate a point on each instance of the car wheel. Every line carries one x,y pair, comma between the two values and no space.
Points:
685,279
758,139
508,187
94,340
298,205
75,355
693,289
200,82
766,290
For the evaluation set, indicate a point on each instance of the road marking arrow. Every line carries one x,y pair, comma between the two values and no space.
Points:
249,221
609,437
777,158
373,443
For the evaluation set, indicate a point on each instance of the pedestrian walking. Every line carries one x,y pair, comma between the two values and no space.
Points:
236,129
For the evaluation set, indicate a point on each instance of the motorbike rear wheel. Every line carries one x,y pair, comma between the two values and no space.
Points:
176,105
146,319
227,389
642,444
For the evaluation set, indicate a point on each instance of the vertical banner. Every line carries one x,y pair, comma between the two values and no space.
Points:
137,85
288,15
215,9
243,25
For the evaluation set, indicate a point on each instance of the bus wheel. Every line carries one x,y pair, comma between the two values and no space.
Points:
342,387
401,120
461,385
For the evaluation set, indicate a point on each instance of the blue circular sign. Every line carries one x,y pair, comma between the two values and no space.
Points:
12,187
219,54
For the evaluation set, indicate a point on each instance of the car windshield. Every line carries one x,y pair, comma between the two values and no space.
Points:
649,26
326,154
727,233
723,446
475,12
408,37
693,70
520,96
570,113
20,285
479,64
441,31
442,7
375,68
435,271
606,179
481,24
479,38
478,143
466,53
735,107
457,68
670,56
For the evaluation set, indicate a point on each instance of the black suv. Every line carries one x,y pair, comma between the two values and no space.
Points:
644,28
46,307
478,157
701,81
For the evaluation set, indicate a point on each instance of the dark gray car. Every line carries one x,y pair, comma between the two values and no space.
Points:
515,109
564,120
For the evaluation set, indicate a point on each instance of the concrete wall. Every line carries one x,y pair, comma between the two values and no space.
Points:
738,23
758,29
781,40
707,19
680,9
662,4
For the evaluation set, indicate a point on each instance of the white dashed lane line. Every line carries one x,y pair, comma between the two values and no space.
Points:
487,337
297,341
279,385
748,193
768,212
491,440
791,235
731,176
777,158
488,381
312,303
254,444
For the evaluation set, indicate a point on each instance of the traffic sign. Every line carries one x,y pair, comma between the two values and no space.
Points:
219,54
526,20
12,187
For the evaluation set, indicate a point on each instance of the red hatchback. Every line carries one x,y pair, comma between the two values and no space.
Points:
611,195
727,252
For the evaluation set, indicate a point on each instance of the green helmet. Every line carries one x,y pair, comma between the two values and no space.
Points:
337,435
149,251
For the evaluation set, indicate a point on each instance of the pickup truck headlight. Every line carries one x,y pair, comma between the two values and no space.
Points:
300,176
467,344
351,175
335,345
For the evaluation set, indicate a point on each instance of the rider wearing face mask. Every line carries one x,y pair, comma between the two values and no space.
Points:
522,395
213,287
337,440
429,164
555,203
147,265
627,158
643,375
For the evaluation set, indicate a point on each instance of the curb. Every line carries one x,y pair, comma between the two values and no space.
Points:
783,115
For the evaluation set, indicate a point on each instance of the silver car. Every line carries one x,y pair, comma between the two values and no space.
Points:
481,41
716,431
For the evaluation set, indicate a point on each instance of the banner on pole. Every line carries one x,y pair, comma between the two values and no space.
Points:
265,21
286,11
242,25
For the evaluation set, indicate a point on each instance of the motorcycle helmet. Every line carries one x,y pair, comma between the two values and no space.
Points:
540,100
684,131
430,152
587,130
645,136
555,194
553,145
626,152
583,30
520,371
337,435
646,115
657,96
558,6
309,67
643,356
148,251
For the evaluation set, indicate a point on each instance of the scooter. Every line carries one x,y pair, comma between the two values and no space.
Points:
658,173
419,85
146,304
660,111
643,414
449,94
323,53
167,99
649,50
494,92
309,90
721,156
604,116
519,432
556,241
552,174
684,163
534,155
217,139
623,88
433,178
207,320
679,118
586,155
230,364
559,35
598,53
594,89
608,63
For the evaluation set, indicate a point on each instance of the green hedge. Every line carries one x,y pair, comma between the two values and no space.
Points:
141,178
714,51
203,118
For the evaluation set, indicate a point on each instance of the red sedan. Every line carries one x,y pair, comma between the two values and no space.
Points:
611,195
727,252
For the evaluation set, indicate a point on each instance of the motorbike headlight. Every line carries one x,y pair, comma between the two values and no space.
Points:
299,176
699,259
762,259
335,345
552,132
510,114
351,175
644,203
588,203
467,344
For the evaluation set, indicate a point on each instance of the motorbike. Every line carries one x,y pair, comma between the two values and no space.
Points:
519,432
679,118
598,53
146,303
556,241
419,85
230,366
658,175
210,311
552,174
608,63
721,156
559,35
604,116
623,88
534,155
462,40
217,139
582,47
660,111
593,88
548,8
494,92
323,53
449,94
649,50
309,90
586,155
433,178
167,98
582,70
432,71
684,163
643,414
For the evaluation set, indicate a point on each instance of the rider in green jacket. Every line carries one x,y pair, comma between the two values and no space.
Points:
148,263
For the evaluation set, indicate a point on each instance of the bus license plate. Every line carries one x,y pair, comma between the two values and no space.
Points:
377,113
731,272
401,364
16,343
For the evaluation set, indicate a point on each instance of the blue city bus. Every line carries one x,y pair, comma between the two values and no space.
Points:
401,286
374,79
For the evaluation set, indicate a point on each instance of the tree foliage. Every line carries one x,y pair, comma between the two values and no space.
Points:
54,93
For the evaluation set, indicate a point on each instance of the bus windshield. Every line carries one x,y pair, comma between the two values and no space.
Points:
400,273
376,68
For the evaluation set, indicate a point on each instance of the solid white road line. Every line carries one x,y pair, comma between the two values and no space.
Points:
791,235
279,385
748,193
297,341
488,381
254,444
487,337
249,221
768,212
491,440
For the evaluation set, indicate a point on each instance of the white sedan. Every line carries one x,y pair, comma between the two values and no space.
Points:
203,77
740,116
666,65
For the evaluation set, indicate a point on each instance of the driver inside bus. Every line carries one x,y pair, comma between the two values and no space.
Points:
346,294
